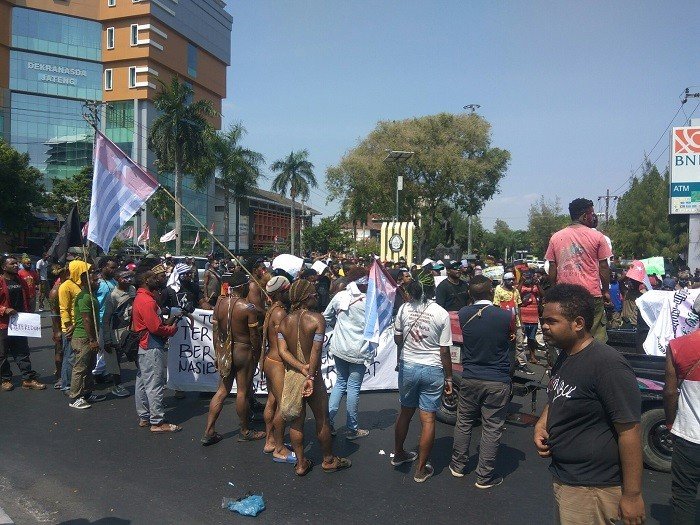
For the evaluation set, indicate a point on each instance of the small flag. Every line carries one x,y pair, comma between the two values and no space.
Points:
126,234
119,188
170,236
381,291
211,230
145,235
196,240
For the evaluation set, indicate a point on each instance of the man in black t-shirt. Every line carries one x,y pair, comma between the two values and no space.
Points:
453,293
590,426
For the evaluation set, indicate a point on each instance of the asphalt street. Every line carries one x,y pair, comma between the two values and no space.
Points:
96,466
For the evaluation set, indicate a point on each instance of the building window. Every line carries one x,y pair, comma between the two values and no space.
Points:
219,209
111,3
108,79
110,38
134,34
191,60
132,76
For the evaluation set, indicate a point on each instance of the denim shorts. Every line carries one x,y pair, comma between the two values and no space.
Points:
420,386
530,330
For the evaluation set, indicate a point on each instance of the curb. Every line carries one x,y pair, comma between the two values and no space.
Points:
5,519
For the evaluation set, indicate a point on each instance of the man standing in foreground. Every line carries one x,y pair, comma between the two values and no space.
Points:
299,342
590,426
682,406
578,254
485,382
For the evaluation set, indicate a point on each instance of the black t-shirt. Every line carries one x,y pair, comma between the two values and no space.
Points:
588,392
452,297
15,295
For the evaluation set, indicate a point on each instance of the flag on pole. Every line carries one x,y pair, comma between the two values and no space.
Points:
68,235
170,236
145,235
196,240
119,188
381,291
126,234
211,230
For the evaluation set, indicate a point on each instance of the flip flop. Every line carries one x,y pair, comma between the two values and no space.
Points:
252,435
211,440
409,459
304,472
168,427
289,458
341,464
288,446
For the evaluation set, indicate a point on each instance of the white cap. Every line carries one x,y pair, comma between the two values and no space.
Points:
508,275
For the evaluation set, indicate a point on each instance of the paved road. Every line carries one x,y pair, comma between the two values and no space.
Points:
61,465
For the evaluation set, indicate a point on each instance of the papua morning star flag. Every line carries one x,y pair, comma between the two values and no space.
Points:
119,188
381,291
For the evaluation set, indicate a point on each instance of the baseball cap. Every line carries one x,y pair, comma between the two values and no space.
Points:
454,265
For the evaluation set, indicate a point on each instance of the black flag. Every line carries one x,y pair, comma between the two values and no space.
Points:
69,235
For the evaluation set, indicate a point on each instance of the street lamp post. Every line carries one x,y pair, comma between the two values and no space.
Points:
395,157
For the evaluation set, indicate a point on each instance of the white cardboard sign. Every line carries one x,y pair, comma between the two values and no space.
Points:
24,325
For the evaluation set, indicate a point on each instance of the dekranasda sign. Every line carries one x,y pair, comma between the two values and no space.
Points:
685,170
192,362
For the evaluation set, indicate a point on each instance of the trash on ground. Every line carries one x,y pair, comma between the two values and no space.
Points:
391,455
231,483
249,505
382,453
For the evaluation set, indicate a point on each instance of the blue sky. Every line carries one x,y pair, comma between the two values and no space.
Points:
576,91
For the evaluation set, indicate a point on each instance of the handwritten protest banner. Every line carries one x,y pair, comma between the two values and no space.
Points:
24,325
192,362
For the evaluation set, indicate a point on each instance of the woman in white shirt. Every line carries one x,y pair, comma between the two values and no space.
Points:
423,336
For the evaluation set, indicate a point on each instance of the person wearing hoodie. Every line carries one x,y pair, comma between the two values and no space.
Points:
67,292
351,352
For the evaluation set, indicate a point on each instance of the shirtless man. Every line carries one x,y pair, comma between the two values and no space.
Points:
300,340
278,289
236,342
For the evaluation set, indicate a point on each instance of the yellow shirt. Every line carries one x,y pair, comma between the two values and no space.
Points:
508,300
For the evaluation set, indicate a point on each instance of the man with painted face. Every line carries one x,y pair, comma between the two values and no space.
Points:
453,293
578,254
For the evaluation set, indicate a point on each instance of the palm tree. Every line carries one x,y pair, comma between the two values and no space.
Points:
178,136
239,170
295,173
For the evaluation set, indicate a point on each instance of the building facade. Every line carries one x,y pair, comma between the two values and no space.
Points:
56,55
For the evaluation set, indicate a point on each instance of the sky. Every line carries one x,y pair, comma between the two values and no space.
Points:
578,92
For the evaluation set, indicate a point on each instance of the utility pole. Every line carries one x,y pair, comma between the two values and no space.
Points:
607,198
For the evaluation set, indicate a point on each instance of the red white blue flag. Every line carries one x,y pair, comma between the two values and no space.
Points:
381,292
119,188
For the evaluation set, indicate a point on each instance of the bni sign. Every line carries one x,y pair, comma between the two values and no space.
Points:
685,170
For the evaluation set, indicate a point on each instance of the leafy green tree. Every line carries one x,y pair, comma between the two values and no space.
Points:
327,235
160,207
294,173
179,137
239,170
22,188
453,165
503,240
643,227
66,191
544,218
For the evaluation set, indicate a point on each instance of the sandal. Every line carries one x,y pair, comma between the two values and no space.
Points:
304,472
251,435
165,427
340,464
211,440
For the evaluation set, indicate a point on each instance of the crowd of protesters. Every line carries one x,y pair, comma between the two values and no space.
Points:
112,309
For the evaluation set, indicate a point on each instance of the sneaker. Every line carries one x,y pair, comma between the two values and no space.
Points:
357,434
7,386
526,370
120,391
80,403
420,478
96,398
57,385
33,384
493,483
456,473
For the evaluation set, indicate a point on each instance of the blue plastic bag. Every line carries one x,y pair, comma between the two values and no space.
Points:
249,506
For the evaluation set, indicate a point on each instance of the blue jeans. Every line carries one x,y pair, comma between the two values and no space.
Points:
67,365
349,380
420,386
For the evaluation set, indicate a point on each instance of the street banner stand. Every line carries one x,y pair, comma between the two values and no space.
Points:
192,362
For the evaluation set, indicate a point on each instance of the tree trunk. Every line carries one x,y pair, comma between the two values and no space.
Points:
227,213
178,209
291,233
238,226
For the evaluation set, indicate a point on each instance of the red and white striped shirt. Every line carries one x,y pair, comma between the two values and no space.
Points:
685,352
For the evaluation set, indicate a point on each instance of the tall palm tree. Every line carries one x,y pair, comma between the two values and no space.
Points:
178,136
295,173
239,170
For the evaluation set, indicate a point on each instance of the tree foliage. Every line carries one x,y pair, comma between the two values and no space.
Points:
327,236
22,188
453,165
544,218
66,191
643,227
160,206
503,240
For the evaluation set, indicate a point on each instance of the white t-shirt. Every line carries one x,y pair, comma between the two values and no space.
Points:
429,325
42,267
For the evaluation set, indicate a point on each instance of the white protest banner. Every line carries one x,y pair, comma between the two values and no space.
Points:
675,318
495,273
192,362
25,325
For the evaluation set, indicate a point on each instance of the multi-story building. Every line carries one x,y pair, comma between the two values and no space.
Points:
55,55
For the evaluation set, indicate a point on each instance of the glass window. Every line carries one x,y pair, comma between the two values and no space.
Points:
108,79
52,33
132,76
119,125
111,3
191,60
110,38
134,34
